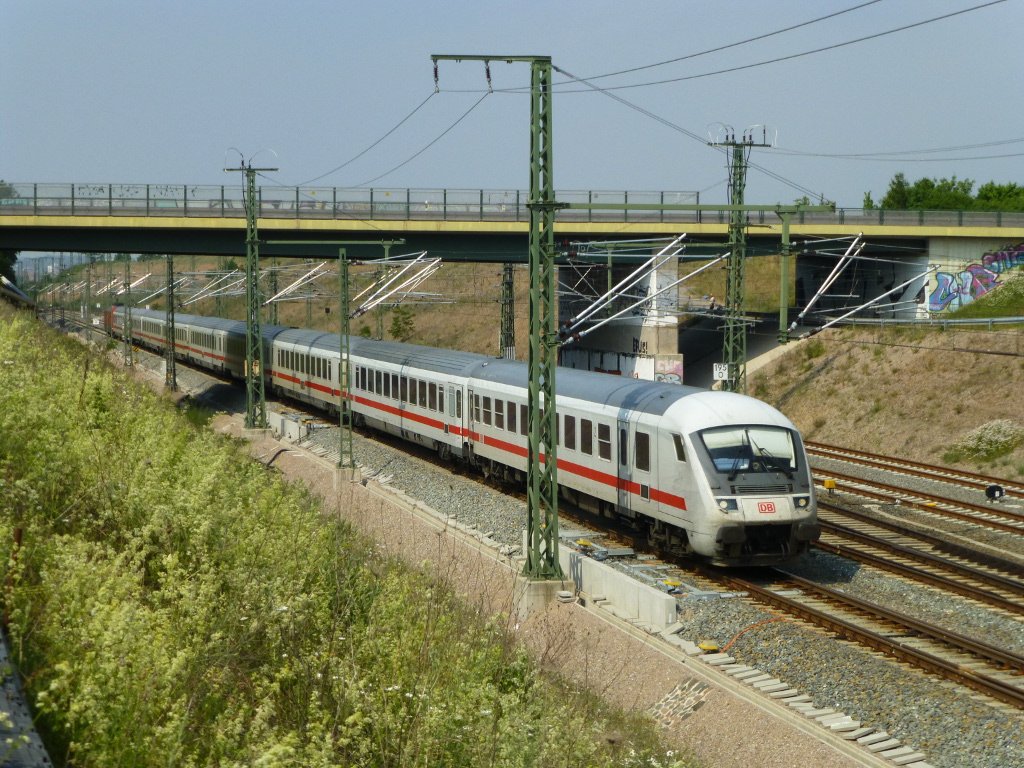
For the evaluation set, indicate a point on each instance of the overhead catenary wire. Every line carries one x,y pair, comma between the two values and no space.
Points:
428,146
734,45
378,141
696,137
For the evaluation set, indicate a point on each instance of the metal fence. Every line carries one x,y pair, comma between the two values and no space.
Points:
179,200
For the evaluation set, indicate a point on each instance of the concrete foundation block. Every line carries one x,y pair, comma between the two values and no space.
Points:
532,596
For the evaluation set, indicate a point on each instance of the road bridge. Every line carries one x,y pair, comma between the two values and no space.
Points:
937,260
468,225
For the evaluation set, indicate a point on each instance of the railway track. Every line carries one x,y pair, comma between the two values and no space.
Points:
989,515
915,469
920,557
981,667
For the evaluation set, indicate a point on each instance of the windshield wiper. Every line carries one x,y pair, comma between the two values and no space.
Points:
775,461
738,459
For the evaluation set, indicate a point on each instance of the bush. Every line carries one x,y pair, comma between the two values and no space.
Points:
990,441
176,604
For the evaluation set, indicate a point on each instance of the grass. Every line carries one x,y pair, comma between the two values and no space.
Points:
174,603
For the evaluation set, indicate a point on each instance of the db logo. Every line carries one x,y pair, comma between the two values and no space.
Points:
766,507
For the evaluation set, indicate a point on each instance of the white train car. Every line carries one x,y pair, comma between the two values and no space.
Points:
713,474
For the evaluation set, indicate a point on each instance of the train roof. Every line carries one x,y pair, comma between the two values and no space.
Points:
445,361
211,323
704,407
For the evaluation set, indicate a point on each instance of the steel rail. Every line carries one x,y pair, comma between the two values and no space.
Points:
894,647
928,502
906,467
948,583
957,550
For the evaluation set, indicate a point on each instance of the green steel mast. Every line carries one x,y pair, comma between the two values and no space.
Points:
507,342
129,354
255,394
542,452
171,373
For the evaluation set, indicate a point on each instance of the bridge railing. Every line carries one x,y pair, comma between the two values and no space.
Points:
405,204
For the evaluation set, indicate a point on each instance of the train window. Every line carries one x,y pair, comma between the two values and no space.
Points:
404,383
499,414
511,416
604,442
387,385
394,385
643,451
330,369
423,394
476,408
432,396
570,432
378,382
677,440
587,436
524,419
458,403
487,410
623,446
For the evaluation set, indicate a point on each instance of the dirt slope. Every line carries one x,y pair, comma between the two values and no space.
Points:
911,393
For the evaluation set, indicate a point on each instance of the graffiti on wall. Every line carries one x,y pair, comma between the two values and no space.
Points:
668,368
956,289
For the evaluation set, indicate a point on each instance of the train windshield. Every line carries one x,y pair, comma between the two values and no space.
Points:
750,449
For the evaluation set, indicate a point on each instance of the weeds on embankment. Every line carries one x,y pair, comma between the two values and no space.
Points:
173,603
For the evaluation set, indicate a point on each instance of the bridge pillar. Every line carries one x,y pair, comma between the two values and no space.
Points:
643,343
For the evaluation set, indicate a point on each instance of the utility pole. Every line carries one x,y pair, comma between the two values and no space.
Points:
346,458
382,271
255,394
507,342
784,253
542,459
129,354
734,349
272,309
171,373
87,297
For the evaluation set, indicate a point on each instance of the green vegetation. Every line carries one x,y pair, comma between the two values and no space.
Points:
948,195
402,326
1006,300
988,442
174,603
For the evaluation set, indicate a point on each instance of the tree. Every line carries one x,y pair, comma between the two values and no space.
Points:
8,257
402,327
948,195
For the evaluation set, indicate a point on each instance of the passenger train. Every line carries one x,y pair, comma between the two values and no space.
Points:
716,475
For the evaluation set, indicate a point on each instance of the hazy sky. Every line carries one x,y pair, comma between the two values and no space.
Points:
139,91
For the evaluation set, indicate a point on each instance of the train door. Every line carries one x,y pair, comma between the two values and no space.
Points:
623,466
470,422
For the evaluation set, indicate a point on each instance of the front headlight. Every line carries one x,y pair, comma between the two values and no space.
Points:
802,501
728,505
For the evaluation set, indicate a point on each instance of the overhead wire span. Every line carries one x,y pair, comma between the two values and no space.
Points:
734,45
378,141
696,137
428,146
790,57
